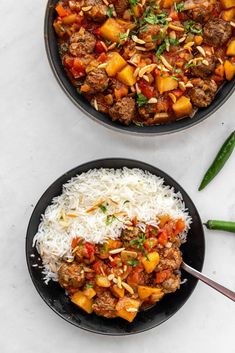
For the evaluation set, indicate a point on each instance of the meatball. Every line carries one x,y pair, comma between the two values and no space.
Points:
128,235
217,32
200,14
120,6
71,275
202,70
124,110
170,259
105,305
203,92
98,12
97,80
151,34
171,284
147,110
82,43
99,102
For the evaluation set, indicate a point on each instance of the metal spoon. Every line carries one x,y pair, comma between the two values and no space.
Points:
225,291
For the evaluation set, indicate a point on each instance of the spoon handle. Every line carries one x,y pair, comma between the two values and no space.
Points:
225,291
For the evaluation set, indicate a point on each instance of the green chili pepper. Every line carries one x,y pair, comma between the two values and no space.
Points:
220,225
219,161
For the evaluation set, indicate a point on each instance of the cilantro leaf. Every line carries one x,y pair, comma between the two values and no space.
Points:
103,208
110,12
132,262
179,7
192,26
133,2
141,99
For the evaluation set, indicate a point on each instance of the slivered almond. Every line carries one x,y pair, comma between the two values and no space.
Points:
232,23
81,30
104,45
165,63
127,287
136,72
131,310
111,258
205,62
102,271
161,115
86,8
135,59
95,104
169,19
102,65
147,69
172,97
220,60
111,277
116,251
146,78
176,28
140,48
189,85
119,282
201,50
95,206
137,40
81,13
182,39
72,215
112,46
172,35
124,268
137,88
106,2
182,85
152,100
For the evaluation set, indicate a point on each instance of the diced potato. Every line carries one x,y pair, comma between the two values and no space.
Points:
112,29
126,75
228,3
118,292
165,84
137,10
231,48
182,107
89,292
115,63
128,255
151,261
127,308
163,219
229,70
81,300
103,281
70,19
166,4
125,24
198,40
145,292
228,15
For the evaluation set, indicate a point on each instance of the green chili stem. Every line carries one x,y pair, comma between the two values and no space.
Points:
221,225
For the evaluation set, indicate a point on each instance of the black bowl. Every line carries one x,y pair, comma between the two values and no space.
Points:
62,78
193,254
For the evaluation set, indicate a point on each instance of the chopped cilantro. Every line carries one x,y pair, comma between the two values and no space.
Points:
132,262
166,43
186,66
110,11
179,7
89,285
103,208
139,242
192,26
133,2
109,219
138,123
175,78
141,99
153,19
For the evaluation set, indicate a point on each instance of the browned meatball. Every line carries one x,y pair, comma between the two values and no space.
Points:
71,275
170,259
97,80
82,43
98,12
203,92
124,110
171,284
200,14
105,305
151,34
217,32
202,70
120,6
147,111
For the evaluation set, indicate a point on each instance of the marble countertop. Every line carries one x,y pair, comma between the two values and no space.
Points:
42,135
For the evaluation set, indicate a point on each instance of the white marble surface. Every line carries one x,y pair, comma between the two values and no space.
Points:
43,135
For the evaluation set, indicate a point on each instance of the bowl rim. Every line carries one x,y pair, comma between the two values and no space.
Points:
73,172
117,128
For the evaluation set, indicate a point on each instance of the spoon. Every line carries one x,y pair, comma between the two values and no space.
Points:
225,291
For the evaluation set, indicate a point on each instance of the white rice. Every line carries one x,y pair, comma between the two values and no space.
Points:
135,192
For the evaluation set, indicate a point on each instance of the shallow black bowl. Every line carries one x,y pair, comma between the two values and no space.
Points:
193,254
84,105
